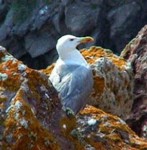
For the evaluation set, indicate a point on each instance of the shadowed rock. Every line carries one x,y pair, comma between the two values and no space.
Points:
136,53
29,29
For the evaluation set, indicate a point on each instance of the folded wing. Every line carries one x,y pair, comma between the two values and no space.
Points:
74,86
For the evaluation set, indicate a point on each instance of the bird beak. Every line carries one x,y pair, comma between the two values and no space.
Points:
86,39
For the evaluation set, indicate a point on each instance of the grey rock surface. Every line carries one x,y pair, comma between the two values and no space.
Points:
39,43
80,19
123,21
30,29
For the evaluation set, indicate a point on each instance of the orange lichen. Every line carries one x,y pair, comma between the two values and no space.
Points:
11,81
94,53
98,86
34,80
113,81
67,126
12,65
11,69
24,128
48,70
31,111
114,130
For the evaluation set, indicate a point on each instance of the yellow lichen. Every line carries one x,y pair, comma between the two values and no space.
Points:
67,126
94,53
98,86
23,130
10,68
30,136
48,70
114,129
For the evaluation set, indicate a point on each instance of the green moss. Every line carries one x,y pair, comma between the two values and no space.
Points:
94,6
47,1
22,9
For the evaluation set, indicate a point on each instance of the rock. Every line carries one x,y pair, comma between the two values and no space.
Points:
31,116
3,10
136,53
108,132
66,2
39,43
121,19
79,17
113,81
110,22
26,99
6,27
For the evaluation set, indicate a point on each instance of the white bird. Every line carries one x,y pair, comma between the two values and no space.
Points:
72,76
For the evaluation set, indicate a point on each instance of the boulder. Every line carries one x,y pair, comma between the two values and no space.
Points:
31,115
79,16
113,81
39,43
121,21
26,100
136,53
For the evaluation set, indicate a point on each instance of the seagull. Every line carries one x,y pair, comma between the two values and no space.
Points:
72,76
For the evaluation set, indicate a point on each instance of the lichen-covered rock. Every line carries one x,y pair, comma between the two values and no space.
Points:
99,130
113,81
27,104
136,53
31,116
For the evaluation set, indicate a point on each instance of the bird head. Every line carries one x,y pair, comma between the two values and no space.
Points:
70,42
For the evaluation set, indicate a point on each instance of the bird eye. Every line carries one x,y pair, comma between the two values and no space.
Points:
71,39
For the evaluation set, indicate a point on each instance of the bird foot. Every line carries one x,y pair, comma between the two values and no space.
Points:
69,112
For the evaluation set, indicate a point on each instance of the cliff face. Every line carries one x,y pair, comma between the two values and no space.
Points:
31,114
29,29
136,53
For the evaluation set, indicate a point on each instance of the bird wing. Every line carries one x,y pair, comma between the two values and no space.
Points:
75,86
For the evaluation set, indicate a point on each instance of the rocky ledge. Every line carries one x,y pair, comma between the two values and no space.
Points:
31,115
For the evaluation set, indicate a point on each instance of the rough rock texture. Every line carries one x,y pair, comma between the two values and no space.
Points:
31,116
29,29
104,131
113,81
136,53
26,103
